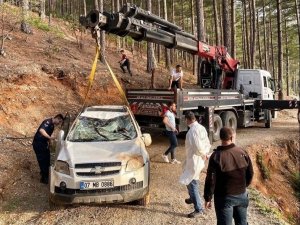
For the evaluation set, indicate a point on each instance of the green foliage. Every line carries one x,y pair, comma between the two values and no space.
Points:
38,23
266,209
296,184
262,166
42,25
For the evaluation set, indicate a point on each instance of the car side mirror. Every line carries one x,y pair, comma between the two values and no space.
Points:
147,139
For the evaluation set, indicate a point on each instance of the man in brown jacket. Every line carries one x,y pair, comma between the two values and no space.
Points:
229,172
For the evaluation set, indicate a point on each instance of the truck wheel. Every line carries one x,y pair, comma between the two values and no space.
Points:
229,120
217,127
145,200
268,122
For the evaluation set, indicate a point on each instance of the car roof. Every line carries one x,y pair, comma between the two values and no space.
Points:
105,111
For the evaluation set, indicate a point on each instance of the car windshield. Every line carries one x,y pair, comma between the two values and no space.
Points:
88,129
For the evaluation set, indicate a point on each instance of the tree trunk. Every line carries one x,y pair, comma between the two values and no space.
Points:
233,38
24,25
42,9
102,36
84,7
193,32
253,43
287,60
149,44
271,46
247,36
112,6
226,25
221,23
266,50
167,51
158,46
200,32
216,22
118,38
173,51
298,23
279,40
244,42
258,41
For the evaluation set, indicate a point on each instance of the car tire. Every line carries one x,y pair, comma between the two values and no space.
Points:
53,205
229,119
145,200
218,124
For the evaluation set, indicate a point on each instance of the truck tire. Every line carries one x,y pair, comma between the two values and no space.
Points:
268,122
229,119
217,127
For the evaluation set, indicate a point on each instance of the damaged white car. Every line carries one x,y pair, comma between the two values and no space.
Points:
102,159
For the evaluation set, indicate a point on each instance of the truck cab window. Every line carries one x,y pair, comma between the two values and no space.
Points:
265,81
271,84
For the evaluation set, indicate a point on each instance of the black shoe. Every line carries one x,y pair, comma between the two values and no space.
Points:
195,214
44,180
188,201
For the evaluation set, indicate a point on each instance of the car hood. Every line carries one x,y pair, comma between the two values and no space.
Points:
93,152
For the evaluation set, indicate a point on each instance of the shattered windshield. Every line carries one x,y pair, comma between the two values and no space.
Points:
92,129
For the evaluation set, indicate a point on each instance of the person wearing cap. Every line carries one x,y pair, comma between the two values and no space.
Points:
176,78
41,144
197,146
124,62
229,173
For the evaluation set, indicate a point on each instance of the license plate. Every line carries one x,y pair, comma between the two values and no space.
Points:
97,184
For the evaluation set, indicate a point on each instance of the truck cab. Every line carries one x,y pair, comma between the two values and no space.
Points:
256,83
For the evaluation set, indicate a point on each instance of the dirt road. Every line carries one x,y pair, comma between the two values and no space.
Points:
24,200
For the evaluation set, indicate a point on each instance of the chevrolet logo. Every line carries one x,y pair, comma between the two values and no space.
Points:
97,170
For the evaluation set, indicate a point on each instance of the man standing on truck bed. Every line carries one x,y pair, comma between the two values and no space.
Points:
41,145
229,172
176,78
171,131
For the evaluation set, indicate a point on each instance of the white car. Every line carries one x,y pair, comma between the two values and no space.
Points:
102,159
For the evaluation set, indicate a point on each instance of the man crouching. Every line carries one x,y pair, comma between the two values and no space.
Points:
197,146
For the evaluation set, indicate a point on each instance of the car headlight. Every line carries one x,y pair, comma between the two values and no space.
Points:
135,163
62,167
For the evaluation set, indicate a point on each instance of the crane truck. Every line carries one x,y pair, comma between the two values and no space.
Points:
245,96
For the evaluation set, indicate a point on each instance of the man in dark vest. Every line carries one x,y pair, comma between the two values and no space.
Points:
41,144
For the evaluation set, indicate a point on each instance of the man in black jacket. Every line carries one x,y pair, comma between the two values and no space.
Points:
229,172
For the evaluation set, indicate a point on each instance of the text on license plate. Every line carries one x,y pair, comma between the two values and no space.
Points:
97,184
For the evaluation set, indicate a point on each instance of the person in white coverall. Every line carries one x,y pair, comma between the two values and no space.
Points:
197,147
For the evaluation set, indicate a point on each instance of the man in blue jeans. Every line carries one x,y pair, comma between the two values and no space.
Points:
171,132
229,172
197,146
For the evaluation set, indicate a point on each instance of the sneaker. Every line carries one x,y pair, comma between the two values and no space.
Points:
195,214
188,201
165,158
175,161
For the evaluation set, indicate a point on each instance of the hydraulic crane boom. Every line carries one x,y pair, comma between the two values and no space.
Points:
142,25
